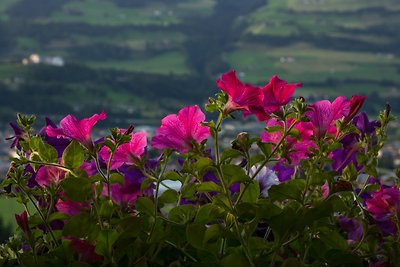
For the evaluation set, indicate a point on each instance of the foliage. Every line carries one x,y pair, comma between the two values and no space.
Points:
306,192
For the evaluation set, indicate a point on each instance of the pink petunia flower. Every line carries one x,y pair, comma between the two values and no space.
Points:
298,147
384,206
23,222
78,130
179,131
356,102
277,93
70,207
126,194
85,250
241,97
47,175
384,202
323,113
126,153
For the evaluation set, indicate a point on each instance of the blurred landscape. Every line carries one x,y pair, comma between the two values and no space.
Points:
140,60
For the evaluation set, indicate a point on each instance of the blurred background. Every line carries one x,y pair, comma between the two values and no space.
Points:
142,59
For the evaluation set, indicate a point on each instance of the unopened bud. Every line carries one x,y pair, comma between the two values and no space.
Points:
129,130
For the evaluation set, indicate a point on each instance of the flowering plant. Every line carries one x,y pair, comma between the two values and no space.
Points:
304,191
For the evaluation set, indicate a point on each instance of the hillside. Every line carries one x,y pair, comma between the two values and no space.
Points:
141,59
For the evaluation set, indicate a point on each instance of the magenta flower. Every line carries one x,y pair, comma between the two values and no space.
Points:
126,153
356,102
297,148
241,97
23,223
384,205
384,202
85,250
71,127
126,195
277,93
70,207
47,175
179,131
323,113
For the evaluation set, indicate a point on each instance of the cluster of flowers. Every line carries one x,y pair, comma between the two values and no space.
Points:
312,159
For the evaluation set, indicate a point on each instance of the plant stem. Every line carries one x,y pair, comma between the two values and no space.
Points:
181,250
156,198
266,160
39,211
108,174
51,164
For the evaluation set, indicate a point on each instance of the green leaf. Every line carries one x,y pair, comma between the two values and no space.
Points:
284,222
338,258
246,211
105,241
371,168
106,209
34,143
188,190
182,214
203,213
291,262
73,155
266,148
80,226
256,159
195,234
77,188
252,192
350,172
145,205
235,259
173,176
229,154
213,233
168,196
292,189
275,128
268,209
48,153
145,184
208,187
117,178
57,216
234,174
202,164
222,202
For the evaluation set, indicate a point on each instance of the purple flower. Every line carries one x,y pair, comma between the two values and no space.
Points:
58,143
364,125
127,193
266,178
19,135
342,157
352,227
284,172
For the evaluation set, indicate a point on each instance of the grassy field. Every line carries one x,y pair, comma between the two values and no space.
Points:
4,5
165,63
339,5
103,12
286,17
10,207
303,62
